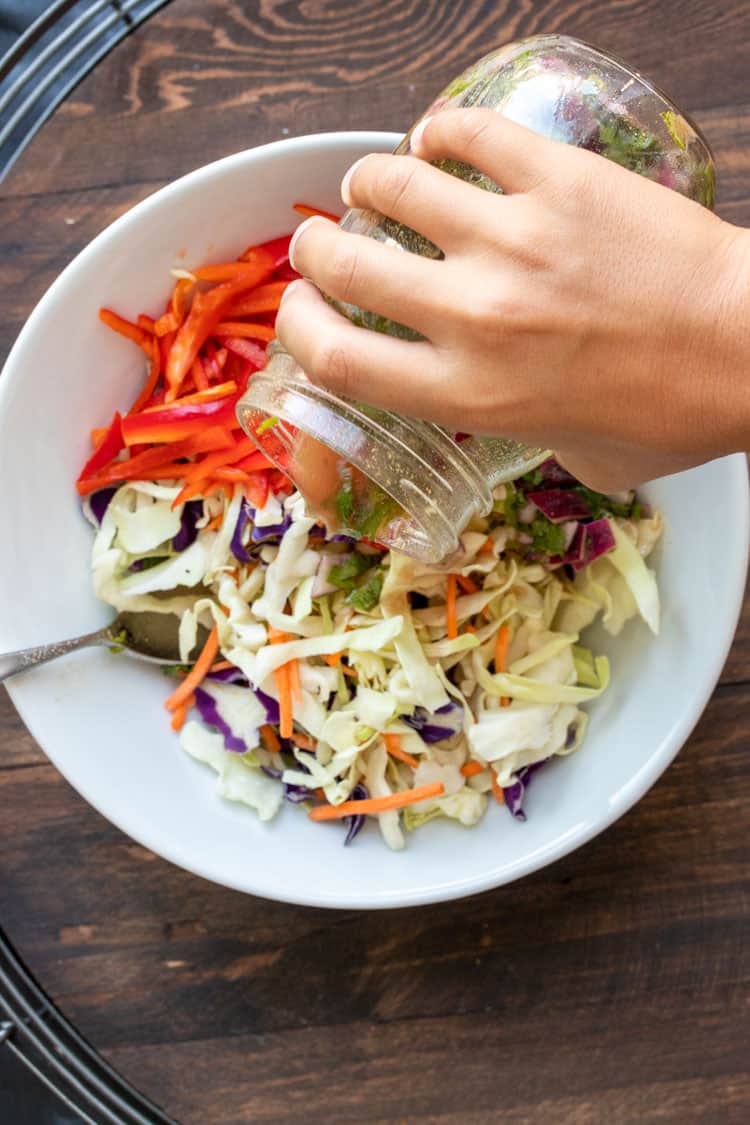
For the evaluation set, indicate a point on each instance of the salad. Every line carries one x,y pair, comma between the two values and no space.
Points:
338,675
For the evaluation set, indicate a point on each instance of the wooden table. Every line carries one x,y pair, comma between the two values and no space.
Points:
608,988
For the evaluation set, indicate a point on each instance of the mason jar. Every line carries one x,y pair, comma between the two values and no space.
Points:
409,484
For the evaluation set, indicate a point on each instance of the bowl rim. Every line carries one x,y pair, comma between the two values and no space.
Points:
591,824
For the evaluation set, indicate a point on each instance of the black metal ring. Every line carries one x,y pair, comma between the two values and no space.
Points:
51,58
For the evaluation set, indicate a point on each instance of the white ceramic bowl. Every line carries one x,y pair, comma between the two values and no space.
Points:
100,717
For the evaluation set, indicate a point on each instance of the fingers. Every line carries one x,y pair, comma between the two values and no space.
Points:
356,362
382,279
514,157
439,206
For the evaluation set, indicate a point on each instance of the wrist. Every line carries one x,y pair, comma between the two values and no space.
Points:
714,351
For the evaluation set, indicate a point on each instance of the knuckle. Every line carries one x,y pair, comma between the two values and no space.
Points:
343,270
392,182
331,365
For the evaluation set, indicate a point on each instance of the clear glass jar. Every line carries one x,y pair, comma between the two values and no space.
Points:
409,484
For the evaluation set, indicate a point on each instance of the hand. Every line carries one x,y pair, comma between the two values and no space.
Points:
586,310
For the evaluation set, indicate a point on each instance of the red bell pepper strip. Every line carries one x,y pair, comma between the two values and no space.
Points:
278,248
257,488
246,349
138,467
308,212
152,379
264,299
126,328
206,468
220,390
200,377
239,329
173,423
112,443
206,312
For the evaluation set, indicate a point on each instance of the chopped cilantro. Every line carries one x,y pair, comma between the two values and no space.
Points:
345,573
367,596
548,537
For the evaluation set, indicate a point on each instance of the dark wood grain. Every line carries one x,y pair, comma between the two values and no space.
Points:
611,987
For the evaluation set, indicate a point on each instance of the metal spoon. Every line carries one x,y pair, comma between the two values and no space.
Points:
149,636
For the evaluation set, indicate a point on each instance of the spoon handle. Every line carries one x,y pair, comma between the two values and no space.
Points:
13,662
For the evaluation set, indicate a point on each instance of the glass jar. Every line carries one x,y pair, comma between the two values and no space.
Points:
409,484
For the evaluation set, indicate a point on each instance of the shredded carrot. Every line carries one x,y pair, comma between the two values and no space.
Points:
373,805
333,659
502,640
470,629
295,683
471,769
270,739
450,607
305,743
394,748
196,673
347,670
486,546
282,679
221,666
320,794
497,790
180,714
467,584
308,212
286,709
215,523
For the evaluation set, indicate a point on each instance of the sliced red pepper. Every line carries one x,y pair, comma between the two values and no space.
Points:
265,299
208,441
239,329
200,376
112,443
173,423
206,312
246,349
152,379
126,328
257,488
308,212
219,390
206,468
278,248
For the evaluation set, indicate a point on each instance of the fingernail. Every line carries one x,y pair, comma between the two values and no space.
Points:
298,232
417,132
289,288
345,193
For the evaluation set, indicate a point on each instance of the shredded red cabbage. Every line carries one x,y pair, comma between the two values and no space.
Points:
186,536
428,731
514,794
209,712
355,822
99,502
560,504
237,547
554,473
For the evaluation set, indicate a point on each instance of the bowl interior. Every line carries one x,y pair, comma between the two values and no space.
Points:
100,718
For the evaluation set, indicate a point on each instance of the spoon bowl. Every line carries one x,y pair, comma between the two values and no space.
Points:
148,636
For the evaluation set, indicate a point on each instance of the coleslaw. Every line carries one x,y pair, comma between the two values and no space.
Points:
352,680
